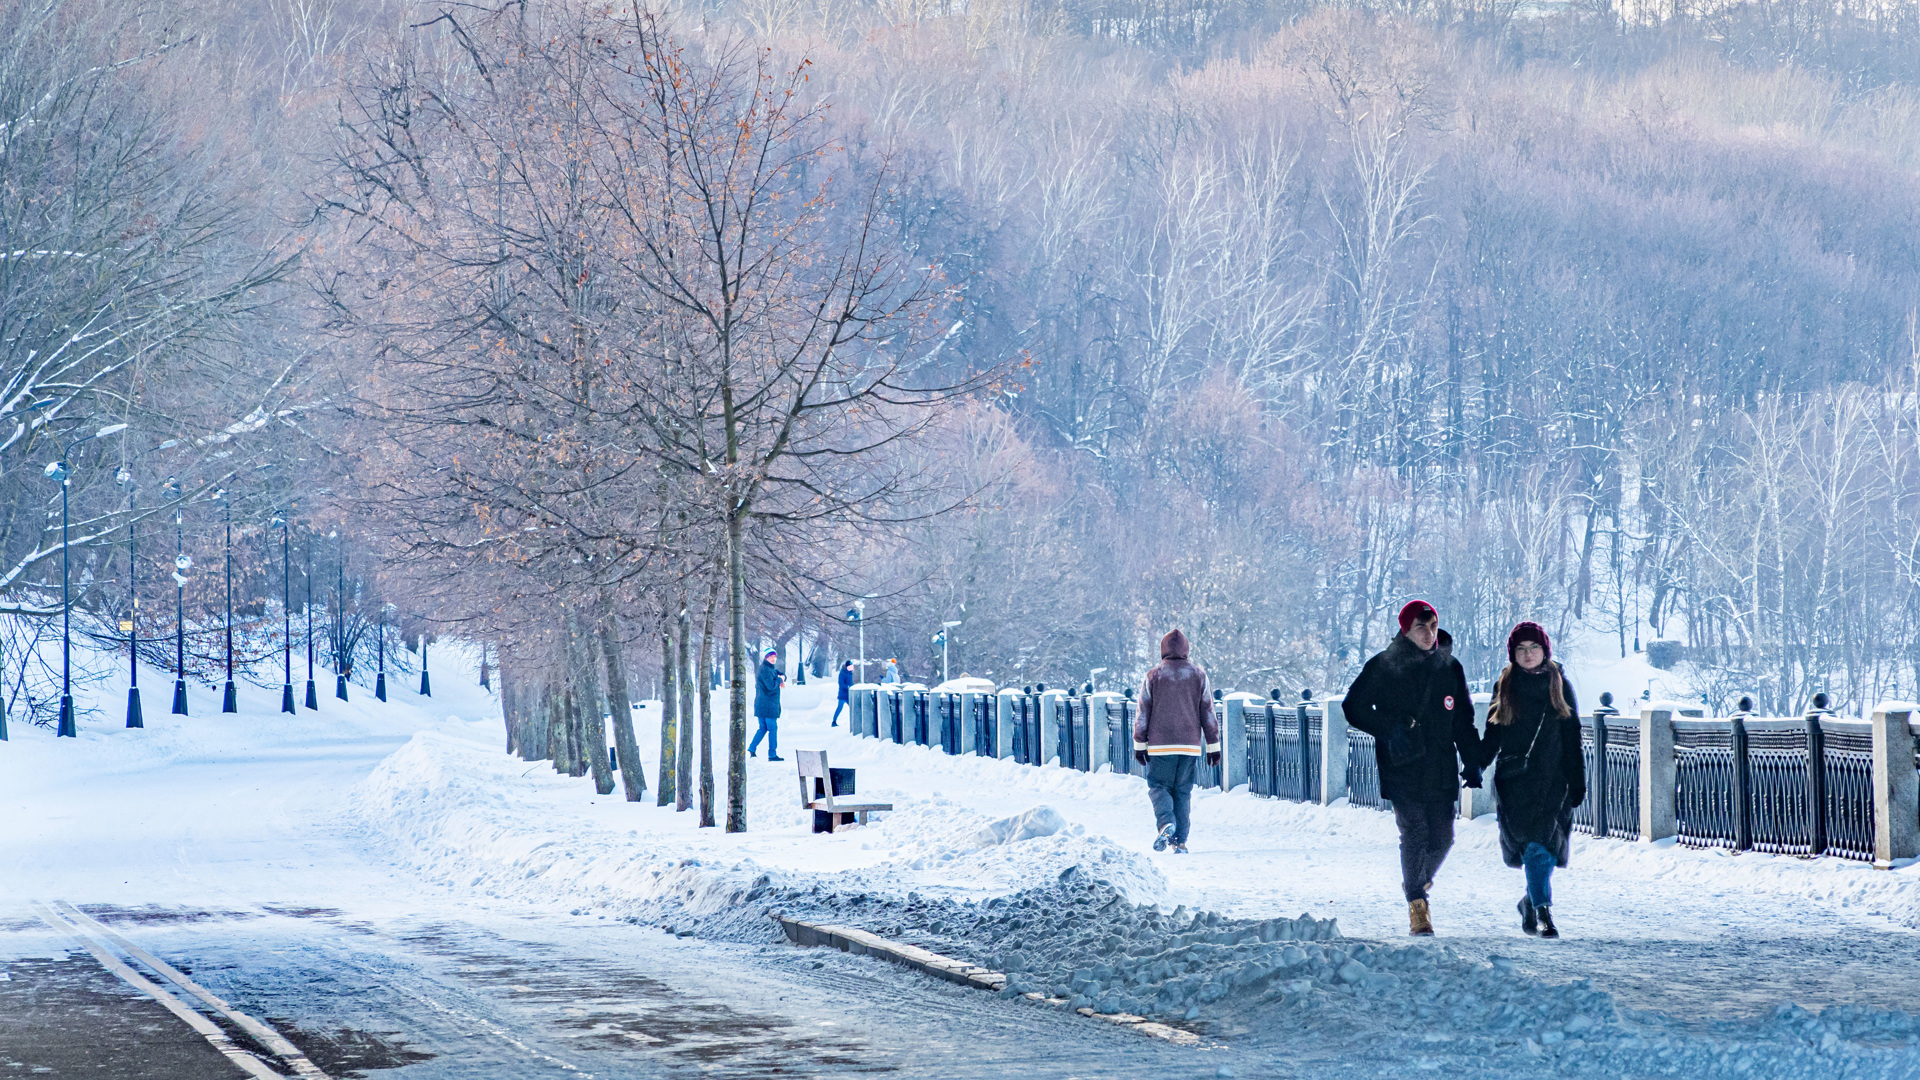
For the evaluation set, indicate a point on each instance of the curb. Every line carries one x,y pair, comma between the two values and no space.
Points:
861,943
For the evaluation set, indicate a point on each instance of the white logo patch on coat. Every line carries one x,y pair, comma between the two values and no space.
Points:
1448,704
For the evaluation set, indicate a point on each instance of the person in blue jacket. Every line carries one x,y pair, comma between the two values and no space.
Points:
846,686
766,706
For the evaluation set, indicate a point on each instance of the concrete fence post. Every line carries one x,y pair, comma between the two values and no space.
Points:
860,697
965,703
1099,734
1233,737
1658,772
1053,711
1003,725
1478,802
1896,832
1333,751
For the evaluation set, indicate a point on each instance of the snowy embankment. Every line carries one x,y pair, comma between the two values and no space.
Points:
466,814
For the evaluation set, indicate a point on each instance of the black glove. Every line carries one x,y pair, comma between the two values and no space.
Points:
1141,757
1471,776
1576,797
1214,758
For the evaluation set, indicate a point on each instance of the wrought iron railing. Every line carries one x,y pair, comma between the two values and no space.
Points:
1847,782
1283,749
1363,772
1120,714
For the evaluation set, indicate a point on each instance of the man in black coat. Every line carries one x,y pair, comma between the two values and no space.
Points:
766,705
1412,698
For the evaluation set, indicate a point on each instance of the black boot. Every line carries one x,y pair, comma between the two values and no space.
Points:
1547,929
1529,922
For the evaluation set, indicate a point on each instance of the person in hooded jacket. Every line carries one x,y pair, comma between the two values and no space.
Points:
846,689
1533,742
766,705
1172,729
1412,698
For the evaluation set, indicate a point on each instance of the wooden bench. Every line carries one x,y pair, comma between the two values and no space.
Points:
823,790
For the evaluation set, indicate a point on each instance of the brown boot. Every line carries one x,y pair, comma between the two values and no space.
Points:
1417,918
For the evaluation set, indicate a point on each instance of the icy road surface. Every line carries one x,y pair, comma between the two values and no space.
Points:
389,889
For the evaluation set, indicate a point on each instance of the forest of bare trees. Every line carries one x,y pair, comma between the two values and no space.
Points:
624,340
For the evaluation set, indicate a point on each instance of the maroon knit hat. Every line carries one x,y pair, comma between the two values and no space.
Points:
1416,611
1529,631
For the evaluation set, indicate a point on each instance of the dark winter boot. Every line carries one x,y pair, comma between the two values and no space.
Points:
1547,929
1529,922
1419,919
1166,834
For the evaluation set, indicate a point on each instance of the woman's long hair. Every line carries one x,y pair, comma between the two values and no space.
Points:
1501,711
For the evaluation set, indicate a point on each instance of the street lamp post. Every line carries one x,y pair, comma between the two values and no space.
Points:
380,676
313,699
858,616
340,604
135,719
229,699
426,686
946,673
57,472
286,616
181,564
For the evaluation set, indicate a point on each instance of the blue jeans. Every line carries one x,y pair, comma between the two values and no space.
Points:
836,712
1538,862
770,728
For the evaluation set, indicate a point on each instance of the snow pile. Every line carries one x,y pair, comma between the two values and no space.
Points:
471,818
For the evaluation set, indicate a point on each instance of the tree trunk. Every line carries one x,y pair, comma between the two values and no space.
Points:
706,700
669,715
737,670
593,712
556,709
510,716
683,762
633,777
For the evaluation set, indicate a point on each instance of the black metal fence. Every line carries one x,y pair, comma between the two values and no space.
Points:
1786,786
1800,786
1283,749
1610,750
1363,772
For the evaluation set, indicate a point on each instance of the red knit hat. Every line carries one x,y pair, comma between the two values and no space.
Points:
1529,631
1416,611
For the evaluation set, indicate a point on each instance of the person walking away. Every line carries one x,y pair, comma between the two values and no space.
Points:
846,689
1173,727
892,677
1412,698
1533,742
766,705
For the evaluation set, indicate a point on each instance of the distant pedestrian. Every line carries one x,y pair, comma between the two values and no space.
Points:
846,689
892,677
766,705
1173,728
1412,698
1533,741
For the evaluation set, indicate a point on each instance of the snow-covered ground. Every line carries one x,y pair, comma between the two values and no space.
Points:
412,809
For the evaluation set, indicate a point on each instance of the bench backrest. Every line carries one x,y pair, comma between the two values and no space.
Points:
815,780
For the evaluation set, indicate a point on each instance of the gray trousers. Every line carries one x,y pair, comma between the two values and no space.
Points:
1426,835
1170,789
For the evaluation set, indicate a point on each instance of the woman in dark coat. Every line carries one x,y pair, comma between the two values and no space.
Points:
1533,741
846,688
